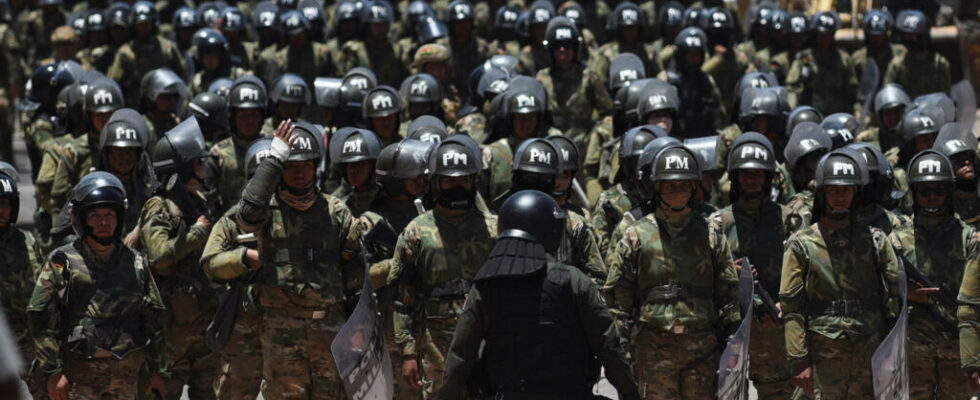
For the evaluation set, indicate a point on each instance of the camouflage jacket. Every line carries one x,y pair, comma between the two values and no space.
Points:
356,201
726,70
967,205
577,99
127,69
84,305
882,57
669,281
474,125
800,210
968,312
940,251
436,258
384,61
20,263
920,72
223,257
64,164
580,249
840,283
608,211
756,234
825,81
227,171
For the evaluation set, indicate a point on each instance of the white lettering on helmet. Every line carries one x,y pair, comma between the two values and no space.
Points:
379,11
930,166
7,186
103,97
294,90
538,156
303,143
926,121
359,82
248,93
843,168
352,146
911,21
142,9
420,87
455,157
809,143
846,134
676,162
95,19
233,19
125,133
630,16
541,14
755,152
692,41
628,75
563,33
430,138
381,102
657,99
311,12
565,155
524,100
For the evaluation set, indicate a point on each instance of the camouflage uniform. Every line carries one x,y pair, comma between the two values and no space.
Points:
580,249
675,339
73,291
579,103
356,201
608,212
229,167
384,61
172,247
127,69
881,58
20,263
64,164
754,234
241,359
818,274
97,58
831,86
800,210
939,248
967,205
498,161
302,285
968,312
726,70
435,260
920,72
475,125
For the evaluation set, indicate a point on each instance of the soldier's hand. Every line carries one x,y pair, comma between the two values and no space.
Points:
803,376
921,295
283,139
204,222
410,373
58,387
156,385
252,259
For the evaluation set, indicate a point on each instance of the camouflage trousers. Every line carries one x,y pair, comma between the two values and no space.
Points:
436,339
34,384
104,378
934,370
190,361
770,371
676,366
240,375
842,368
296,359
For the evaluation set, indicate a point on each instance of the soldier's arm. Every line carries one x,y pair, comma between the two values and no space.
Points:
792,299
726,279
586,251
603,336
45,314
718,110
45,183
464,350
602,225
621,288
163,243
968,311
888,265
223,258
601,99
403,277
253,208
34,255
121,66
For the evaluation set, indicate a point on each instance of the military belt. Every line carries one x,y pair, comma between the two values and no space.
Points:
456,289
676,292
843,307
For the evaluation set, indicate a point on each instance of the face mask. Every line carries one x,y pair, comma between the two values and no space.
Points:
456,198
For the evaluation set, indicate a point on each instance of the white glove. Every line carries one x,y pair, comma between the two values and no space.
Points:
280,149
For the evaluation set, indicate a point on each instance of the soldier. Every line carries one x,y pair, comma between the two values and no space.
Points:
567,192
536,55
759,21
877,26
301,56
703,110
626,192
523,112
163,95
381,112
577,14
247,105
146,52
98,52
345,26
45,83
938,245
838,289
232,24
920,69
211,112
230,258
354,152
670,21
354,86
560,350
806,146
627,26
490,82
890,105
875,201
577,96
184,24
920,129
119,26
468,51
798,29
955,141
288,97
173,228
435,260
95,311
433,59
726,64
302,281
122,153
754,225
375,51
213,60
422,95
66,43
823,76
679,289
326,92
505,33
34,29
20,261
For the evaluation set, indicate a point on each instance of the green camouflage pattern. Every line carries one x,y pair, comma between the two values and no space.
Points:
800,210
436,258
474,125
578,101
608,212
128,70
20,263
968,312
579,248
227,171
920,72
831,86
967,205
64,164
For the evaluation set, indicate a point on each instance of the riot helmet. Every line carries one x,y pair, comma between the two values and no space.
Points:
457,156
806,145
532,216
536,165
96,190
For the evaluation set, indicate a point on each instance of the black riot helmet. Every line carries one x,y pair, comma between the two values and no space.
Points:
286,4
630,149
561,32
691,38
209,12
211,111
313,11
381,101
624,69
525,96
807,140
940,100
825,22
841,167
675,164
427,128
159,82
290,88
802,114
354,85
692,16
626,13
378,11
125,128
221,87
670,18
309,143
327,91
761,103
505,22
754,79
184,18
492,84
798,23
955,139
247,92
422,88
927,167
460,10
568,153
644,166
45,84
257,151
232,20
891,96
921,121
9,190
176,152
143,11
407,159
350,145
103,96
656,95
457,156
877,22
574,12
841,127
751,151
912,21
535,156
294,23
95,190
880,173
533,216
96,21
719,25
210,41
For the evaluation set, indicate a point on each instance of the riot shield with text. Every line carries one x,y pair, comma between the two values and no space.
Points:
889,369
359,351
733,370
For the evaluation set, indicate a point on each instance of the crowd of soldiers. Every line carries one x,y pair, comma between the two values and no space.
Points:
533,191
